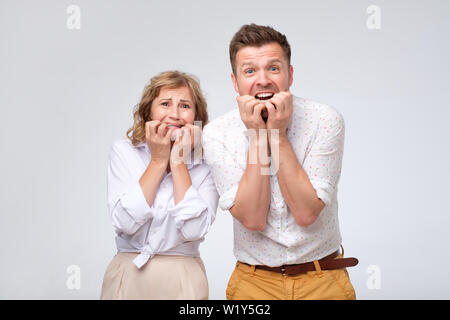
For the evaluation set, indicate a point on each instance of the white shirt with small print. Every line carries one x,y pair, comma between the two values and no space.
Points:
162,228
316,133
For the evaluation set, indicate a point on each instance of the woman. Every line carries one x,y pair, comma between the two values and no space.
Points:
161,202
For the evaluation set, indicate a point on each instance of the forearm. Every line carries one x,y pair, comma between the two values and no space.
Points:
297,190
253,196
181,181
151,179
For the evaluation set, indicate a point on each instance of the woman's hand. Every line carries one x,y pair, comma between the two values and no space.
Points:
195,134
182,147
180,156
157,136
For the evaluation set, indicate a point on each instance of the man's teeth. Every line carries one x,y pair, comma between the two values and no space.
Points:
264,96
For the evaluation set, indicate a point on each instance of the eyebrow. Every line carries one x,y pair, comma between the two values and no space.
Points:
182,100
250,64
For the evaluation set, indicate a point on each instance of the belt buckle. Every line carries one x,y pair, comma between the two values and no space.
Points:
283,270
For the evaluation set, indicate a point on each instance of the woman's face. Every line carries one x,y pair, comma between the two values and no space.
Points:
173,106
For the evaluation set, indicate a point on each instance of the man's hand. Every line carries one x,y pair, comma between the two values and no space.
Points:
280,108
250,109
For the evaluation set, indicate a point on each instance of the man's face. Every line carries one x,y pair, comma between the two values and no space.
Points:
262,71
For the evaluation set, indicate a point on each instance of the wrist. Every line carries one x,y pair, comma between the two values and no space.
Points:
159,163
281,137
176,167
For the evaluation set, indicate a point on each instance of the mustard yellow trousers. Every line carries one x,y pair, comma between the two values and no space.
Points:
248,283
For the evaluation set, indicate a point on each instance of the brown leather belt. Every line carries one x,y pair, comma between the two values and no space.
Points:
327,263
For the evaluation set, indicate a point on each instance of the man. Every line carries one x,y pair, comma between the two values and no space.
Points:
286,229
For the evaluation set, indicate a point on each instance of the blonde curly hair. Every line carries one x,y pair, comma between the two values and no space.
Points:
167,79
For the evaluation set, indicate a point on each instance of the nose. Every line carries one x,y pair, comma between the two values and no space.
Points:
262,79
173,112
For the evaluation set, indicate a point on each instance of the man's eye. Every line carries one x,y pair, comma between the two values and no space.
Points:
274,68
249,71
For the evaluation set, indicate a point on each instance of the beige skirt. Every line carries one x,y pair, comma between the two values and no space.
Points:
161,278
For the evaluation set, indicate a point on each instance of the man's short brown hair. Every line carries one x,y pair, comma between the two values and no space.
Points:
253,35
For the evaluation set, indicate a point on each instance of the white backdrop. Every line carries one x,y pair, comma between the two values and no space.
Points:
67,94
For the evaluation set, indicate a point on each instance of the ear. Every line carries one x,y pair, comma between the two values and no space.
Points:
235,85
291,75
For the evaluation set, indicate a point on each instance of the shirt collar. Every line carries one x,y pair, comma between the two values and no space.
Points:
141,144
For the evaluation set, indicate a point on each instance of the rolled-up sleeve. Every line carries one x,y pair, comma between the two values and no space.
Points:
228,198
196,212
324,161
127,205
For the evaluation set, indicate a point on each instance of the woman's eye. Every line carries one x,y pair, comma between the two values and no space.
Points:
185,106
165,104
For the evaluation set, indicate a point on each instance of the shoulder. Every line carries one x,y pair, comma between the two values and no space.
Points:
122,144
322,112
124,147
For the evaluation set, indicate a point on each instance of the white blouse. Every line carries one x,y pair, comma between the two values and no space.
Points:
163,228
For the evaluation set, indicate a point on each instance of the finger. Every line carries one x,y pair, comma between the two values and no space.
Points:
187,136
277,102
285,98
196,134
152,126
257,112
147,130
258,108
178,136
250,106
161,132
242,102
171,134
185,130
191,127
289,101
270,109
192,132
244,99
